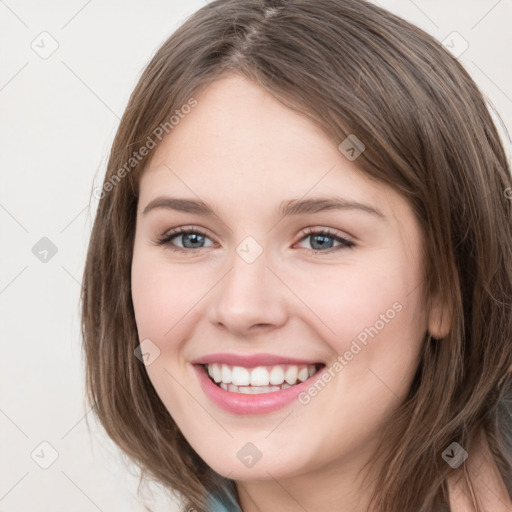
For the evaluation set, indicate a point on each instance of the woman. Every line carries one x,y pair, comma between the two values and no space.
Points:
339,337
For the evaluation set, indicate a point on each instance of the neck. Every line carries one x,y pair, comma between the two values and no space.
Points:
338,486
488,488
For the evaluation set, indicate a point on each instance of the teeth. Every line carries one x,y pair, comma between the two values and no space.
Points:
253,390
260,376
303,374
269,377
226,374
214,371
277,375
291,375
240,376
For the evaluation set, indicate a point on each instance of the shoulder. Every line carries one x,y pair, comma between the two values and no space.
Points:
217,503
488,485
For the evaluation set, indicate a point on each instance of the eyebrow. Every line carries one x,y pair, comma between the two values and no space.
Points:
287,208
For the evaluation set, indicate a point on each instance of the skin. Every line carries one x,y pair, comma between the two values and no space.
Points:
290,301
488,486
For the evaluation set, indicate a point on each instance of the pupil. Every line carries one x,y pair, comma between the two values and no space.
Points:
323,243
191,235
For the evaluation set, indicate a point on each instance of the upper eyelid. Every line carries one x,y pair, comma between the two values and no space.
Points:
329,231
186,230
304,231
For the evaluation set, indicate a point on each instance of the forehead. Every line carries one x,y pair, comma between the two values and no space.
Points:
241,125
240,145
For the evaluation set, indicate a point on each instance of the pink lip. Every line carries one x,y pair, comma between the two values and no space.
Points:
239,403
250,361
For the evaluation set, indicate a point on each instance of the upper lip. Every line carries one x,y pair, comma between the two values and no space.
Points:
251,360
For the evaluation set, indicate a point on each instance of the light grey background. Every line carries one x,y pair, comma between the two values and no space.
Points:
58,118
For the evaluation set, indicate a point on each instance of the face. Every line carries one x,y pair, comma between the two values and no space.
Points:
261,280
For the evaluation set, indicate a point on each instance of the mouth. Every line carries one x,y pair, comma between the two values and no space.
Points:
249,384
259,379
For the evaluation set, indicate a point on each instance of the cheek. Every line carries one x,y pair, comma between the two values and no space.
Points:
162,294
380,349
372,317
353,301
163,297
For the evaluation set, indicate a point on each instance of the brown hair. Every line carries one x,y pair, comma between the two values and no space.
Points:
352,68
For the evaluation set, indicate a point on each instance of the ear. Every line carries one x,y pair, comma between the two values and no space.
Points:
439,319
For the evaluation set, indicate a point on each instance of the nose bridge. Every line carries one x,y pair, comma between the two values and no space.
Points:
246,280
249,294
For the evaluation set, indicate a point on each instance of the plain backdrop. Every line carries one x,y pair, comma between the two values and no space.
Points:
67,70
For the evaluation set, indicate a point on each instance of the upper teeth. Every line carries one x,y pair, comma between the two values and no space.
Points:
260,375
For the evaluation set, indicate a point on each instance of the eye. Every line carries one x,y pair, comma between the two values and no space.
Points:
190,239
322,240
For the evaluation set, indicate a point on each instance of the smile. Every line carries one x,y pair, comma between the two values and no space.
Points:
241,387
260,379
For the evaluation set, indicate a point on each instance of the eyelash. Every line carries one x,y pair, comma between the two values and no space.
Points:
345,243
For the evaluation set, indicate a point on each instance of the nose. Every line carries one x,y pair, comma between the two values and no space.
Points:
249,299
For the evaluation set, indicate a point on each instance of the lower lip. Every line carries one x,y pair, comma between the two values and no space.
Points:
240,403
